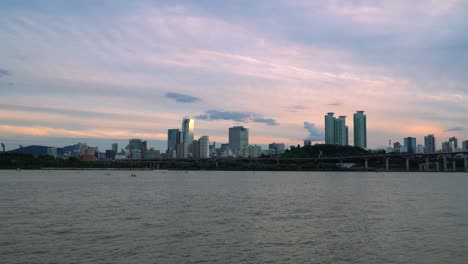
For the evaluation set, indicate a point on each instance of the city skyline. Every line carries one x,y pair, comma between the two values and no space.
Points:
69,71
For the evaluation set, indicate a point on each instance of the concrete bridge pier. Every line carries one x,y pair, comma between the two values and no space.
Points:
437,166
465,162
217,165
454,165
445,163
157,166
387,164
421,166
366,164
427,164
407,164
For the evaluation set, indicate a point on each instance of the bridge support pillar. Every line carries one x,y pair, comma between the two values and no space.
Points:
465,162
437,166
157,166
421,167
445,163
366,165
217,165
407,164
454,165
387,164
427,164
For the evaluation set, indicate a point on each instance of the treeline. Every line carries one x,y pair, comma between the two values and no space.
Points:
324,150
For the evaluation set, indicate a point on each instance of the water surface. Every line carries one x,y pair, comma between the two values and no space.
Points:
233,217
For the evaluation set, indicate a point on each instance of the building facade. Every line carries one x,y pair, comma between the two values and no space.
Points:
429,143
173,138
410,144
204,142
238,138
276,148
188,131
360,130
330,128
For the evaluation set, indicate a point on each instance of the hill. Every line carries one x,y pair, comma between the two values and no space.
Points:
324,149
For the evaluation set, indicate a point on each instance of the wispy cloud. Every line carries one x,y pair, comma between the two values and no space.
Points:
4,72
454,129
243,117
335,103
182,98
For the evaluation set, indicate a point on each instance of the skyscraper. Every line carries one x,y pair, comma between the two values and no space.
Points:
410,144
429,143
173,138
188,130
360,130
238,138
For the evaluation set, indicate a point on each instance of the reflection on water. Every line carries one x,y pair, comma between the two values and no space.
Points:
233,217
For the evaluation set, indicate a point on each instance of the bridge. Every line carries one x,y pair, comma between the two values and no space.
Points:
439,161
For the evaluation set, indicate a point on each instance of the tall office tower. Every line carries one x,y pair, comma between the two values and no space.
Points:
341,131
360,130
238,138
115,148
173,138
204,143
453,143
396,147
134,144
330,128
410,144
465,145
188,130
429,143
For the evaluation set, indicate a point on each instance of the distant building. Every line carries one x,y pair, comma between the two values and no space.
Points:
360,130
238,138
110,155
254,151
453,143
204,142
188,131
307,142
144,149
173,138
330,128
115,148
396,147
152,154
465,145
182,150
446,147
276,148
52,151
171,154
341,131
410,144
135,149
429,143
419,149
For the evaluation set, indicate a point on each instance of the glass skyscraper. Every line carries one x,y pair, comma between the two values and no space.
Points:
429,143
238,138
173,138
330,128
188,130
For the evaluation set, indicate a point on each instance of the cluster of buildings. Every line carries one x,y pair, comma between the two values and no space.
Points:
181,144
411,147
336,130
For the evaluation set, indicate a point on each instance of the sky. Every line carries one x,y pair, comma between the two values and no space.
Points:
115,69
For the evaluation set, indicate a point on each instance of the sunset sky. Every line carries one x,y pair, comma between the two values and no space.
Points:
118,69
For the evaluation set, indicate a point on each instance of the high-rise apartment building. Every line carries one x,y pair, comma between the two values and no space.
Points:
188,131
173,138
429,143
238,138
360,130
341,131
410,144
330,128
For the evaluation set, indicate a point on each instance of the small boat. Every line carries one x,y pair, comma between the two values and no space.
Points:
133,175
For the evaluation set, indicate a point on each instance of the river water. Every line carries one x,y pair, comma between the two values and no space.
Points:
233,217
